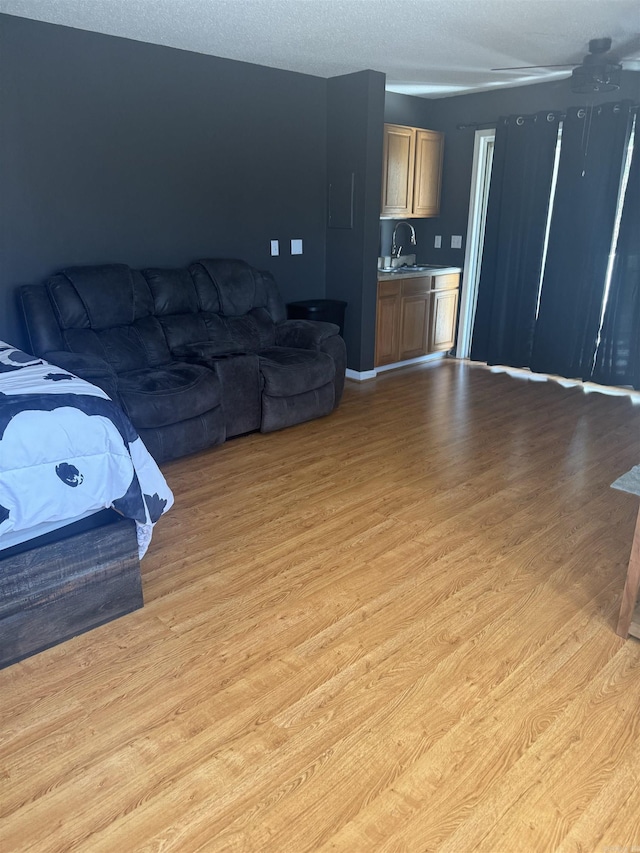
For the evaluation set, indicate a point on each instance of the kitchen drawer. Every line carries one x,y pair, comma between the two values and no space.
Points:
417,286
388,288
446,282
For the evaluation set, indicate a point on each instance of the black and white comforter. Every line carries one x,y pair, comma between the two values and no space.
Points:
66,450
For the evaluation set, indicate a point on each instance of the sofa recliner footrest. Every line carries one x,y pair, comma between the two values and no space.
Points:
287,372
281,412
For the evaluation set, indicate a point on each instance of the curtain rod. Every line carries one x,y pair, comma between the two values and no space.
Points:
487,125
475,125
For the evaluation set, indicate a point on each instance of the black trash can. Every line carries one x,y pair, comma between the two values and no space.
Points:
329,310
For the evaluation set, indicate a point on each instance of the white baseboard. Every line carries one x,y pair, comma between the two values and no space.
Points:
433,356
362,375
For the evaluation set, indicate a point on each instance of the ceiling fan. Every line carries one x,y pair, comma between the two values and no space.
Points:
599,71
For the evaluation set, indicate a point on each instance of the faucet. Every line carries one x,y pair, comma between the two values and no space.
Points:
396,251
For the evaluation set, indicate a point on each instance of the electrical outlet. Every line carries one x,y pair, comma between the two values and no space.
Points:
275,248
437,243
456,241
296,247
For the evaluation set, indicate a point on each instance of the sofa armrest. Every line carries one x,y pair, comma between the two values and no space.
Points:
91,368
304,334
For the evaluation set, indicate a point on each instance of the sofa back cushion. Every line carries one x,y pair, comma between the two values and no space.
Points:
175,304
108,311
183,329
274,301
222,302
173,291
99,297
234,288
227,287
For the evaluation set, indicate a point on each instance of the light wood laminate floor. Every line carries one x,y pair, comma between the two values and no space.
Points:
391,629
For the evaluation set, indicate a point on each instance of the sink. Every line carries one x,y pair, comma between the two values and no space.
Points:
411,268
419,267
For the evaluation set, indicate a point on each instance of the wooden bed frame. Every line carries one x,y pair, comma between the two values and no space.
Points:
53,590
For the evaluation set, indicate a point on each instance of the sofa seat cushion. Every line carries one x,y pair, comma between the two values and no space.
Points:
287,371
173,392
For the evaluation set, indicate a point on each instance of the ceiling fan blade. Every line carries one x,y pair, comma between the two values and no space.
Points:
600,51
525,67
628,49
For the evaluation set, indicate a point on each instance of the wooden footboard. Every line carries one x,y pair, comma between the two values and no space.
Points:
53,592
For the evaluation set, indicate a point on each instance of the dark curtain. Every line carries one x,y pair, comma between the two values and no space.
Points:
591,158
618,357
514,239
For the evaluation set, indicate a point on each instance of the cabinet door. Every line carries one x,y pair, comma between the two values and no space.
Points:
398,162
443,320
414,325
428,171
387,324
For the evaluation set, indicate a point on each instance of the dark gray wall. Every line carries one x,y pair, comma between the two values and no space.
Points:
354,157
114,150
119,151
484,108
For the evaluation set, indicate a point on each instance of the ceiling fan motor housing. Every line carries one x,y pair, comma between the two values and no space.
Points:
596,77
599,46
596,74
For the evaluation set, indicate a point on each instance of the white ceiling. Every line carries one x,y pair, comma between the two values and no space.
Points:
429,48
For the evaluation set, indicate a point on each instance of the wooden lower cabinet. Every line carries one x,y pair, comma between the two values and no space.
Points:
444,313
415,316
414,325
388,323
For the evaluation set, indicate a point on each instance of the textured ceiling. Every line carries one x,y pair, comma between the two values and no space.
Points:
429,48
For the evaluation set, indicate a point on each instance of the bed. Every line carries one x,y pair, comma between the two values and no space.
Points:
79,496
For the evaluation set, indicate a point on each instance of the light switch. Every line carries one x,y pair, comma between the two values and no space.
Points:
275,248
296,247
437,243
456,241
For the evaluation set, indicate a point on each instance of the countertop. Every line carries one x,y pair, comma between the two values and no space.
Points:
388,276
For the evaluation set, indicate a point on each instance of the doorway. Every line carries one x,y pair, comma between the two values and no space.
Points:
478,201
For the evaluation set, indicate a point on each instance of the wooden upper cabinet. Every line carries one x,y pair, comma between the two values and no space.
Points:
428,173
411,172
398,159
